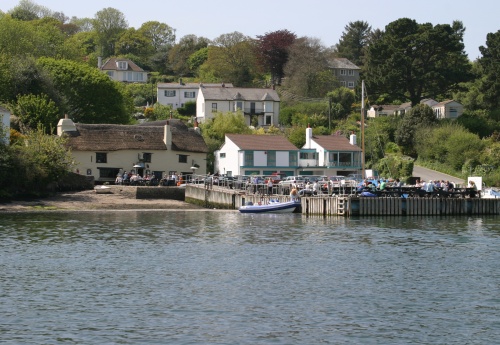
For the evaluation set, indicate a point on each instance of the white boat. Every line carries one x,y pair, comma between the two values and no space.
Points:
273,206
490,193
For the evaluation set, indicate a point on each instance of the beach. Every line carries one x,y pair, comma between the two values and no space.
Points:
90,200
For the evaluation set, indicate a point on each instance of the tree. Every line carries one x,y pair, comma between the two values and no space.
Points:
160,35
414,61
34,111
179,55
490,84
89,95
273,51
343,98
307,72
28,10
420,115
133,42
354,41
231,58
109,24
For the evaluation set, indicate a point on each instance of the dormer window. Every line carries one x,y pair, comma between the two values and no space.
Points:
122,65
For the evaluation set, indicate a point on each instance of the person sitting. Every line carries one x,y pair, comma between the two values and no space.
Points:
473,187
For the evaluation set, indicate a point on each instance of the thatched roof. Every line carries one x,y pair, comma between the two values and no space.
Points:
149,136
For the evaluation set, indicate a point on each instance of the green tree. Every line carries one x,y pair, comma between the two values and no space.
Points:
34,111
414,61
160,35
197,59
134,42
420,115
344,98
354,41
89,95
179,55
109,24
490,84
307,72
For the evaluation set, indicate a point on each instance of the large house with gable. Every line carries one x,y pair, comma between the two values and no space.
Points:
247,154
260,107
176,95
102,151
121,69
346,72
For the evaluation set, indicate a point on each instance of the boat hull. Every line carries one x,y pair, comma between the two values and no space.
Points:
278,207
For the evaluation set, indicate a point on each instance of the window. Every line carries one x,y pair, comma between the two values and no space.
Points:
222,155
350,84
101,157
189,94
121,64
238,106
108,173
214,107
111,73
350,72
183,158
342,72
304,155
271,158
146,157
248,158
343,83
292,158
453,113
169,93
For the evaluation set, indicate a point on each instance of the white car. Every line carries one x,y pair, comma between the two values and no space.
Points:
297,181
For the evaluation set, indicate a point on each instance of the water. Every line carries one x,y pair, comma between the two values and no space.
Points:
205,277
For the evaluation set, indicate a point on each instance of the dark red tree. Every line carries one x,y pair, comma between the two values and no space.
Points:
273,51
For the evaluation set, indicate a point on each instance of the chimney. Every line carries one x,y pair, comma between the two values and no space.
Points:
180,81
65,125
99,62
352,139
309,134
167,136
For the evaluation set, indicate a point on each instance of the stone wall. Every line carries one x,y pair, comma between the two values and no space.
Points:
138,192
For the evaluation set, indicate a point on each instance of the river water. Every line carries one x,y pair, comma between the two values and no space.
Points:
217,277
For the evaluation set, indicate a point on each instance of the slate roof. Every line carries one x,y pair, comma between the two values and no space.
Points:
334,143
237,93
189,85
342,63
110,65
261,142
148,136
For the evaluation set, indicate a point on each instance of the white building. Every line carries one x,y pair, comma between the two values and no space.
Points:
261,107
178,94
123,70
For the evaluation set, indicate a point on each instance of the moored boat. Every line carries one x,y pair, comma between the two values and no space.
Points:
271,207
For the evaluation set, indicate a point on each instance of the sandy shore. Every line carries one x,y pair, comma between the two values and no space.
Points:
89,200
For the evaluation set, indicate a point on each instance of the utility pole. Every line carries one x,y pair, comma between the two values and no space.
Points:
330,114
362,129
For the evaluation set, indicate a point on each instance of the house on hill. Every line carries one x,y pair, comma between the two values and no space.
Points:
178,94
449,109
102,151
346,72
260,107
124,70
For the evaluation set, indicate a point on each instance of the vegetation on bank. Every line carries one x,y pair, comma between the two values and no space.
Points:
48,69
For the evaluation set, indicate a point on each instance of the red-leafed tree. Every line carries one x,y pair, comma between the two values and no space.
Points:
273,50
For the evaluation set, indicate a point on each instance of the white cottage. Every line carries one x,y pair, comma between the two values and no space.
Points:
102,151
261,107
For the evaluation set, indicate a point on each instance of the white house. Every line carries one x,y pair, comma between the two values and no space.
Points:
261,107
247,154
178,94
102,151
329,155
448,109
123,70
5,125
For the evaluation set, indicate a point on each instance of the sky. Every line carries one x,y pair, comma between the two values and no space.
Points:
323,19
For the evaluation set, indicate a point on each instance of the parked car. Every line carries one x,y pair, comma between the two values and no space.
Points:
290,181
241,181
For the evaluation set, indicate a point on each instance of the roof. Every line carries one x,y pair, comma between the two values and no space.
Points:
148,136
182,85
110,65
445,102
386,107
237,93
261,142
342,63
334,143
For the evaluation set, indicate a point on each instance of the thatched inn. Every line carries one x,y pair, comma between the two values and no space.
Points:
102,151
